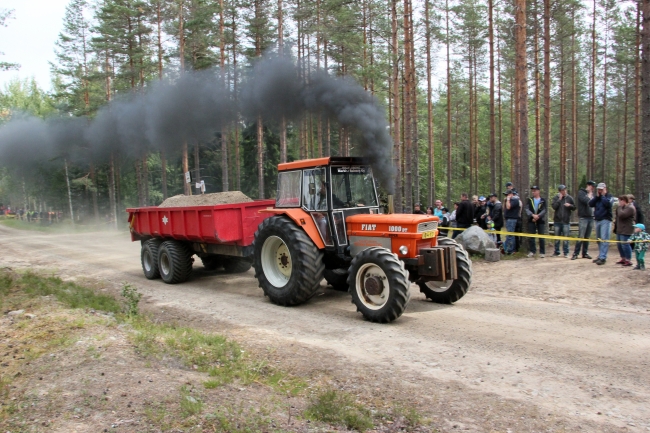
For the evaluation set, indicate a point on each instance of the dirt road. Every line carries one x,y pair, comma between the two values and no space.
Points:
536,345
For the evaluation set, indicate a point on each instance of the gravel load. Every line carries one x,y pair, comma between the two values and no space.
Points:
206,199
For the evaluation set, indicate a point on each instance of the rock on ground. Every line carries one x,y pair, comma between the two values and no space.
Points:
206,199
475,240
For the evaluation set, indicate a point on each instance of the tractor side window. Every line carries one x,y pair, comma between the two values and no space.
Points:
288,189
314,189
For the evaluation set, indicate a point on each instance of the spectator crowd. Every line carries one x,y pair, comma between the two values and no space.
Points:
595,209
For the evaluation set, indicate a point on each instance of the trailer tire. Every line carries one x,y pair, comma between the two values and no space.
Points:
288,266
149,258
379,284
174,262
211,263
337,278
236,265
448,292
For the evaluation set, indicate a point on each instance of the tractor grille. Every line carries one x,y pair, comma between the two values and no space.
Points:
425,227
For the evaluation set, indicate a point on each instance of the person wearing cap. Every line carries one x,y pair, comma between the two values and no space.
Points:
512,216
480,213
495,214
602,204
624,228
641,242
536,212
639,214
585,220
563,205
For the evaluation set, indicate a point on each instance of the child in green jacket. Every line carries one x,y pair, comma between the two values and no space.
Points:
640,241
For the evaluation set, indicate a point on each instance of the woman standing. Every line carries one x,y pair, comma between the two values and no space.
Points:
624,228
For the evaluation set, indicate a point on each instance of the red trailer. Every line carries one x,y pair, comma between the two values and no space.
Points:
221,235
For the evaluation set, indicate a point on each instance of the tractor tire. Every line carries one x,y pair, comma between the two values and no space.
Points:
174,262
149,258
236,265
450,291
379,285
211,263
288,266
337,278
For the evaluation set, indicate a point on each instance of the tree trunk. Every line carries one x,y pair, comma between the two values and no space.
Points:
431,165
67,181
449,146
537,95
637,106
521,76
408,94
397,161
493,147
547,99
645,110
260,157
591,166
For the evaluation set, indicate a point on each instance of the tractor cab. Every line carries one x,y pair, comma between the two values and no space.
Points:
330,190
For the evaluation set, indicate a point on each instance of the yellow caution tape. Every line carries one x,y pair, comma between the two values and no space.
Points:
531,235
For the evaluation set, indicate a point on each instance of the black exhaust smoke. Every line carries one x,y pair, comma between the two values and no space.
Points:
194,108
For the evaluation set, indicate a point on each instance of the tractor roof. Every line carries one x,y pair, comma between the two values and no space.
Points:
319,162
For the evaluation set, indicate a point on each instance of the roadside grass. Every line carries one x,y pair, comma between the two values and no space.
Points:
339,408
59,315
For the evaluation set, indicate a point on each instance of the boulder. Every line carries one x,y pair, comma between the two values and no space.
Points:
475,240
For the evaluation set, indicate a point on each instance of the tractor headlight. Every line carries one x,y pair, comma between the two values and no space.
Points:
403,250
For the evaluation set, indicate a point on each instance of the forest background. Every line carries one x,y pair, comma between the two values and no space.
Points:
477,93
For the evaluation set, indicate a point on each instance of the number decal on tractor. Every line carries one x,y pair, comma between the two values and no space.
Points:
399,229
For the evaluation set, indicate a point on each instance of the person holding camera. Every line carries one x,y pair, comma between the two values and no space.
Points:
602,204
563,205
586,220
512,216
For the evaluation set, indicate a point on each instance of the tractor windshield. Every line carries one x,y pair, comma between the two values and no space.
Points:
353,186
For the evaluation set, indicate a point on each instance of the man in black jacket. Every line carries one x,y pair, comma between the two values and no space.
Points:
563,205
586,219
464,214
640,218
536,212
495,214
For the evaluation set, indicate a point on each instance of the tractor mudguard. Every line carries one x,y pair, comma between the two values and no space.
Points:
303,220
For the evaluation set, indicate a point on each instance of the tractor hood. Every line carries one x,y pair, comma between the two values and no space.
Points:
390,224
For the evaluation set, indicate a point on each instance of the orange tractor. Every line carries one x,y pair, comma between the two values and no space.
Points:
326,223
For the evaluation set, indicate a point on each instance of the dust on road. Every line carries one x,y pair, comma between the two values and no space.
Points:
562,344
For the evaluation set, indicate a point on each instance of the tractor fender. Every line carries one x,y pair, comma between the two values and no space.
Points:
303,220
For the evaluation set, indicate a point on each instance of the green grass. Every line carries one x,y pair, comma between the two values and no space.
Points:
339,408
70,294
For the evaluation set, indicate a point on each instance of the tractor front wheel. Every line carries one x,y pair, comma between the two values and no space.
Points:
288,266
379,285
450,291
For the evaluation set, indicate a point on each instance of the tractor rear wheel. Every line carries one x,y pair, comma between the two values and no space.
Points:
236,265
379,284
450,291
174,262
288,266
337,278
149,258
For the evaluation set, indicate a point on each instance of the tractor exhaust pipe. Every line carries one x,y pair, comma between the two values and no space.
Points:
391,204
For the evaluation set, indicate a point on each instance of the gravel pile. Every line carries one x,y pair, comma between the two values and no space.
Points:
206,199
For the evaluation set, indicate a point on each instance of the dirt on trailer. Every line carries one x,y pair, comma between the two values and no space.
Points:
213,199
536,345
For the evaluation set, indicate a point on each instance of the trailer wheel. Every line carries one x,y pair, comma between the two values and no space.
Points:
211,263
337,278
450,291
236,265
379,284
174,262
288,266
149,258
